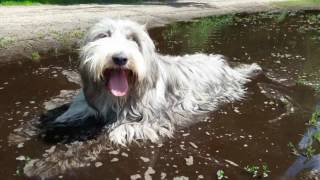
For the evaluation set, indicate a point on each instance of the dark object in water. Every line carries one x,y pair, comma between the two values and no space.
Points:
54,132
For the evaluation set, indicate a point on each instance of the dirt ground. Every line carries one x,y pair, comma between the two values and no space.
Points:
31,32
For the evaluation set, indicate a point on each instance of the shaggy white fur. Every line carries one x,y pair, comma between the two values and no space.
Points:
143,95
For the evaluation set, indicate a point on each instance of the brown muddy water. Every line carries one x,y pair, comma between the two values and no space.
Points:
253,132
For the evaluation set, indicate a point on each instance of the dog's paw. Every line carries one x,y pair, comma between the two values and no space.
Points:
255,68
132,132
249,70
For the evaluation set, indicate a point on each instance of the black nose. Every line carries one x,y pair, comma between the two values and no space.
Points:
120,59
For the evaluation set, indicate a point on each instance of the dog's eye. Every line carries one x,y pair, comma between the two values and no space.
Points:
133,38
103,35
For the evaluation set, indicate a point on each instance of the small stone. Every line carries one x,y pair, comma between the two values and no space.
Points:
135,177
20,145
25,114
185,134
21,158
17,130
124,154
147,174
114,160
189,161
236,110
193,145
232,163
144,159
114,152
181,178
163,175
98,164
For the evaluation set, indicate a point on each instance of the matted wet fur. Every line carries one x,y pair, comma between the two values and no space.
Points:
137,93
163,91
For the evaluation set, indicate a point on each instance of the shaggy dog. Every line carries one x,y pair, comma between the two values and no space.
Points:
142,95
136,93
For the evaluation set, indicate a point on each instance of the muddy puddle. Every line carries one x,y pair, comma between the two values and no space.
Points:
232,142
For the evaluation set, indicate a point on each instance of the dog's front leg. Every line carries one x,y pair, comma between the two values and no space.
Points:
77,114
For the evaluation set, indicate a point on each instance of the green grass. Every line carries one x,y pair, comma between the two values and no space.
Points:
16,3
253,170
63,2
314,119
221,175
35,57
298,3
257,172
6,41
313,145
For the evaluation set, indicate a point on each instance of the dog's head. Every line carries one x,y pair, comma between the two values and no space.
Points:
117,54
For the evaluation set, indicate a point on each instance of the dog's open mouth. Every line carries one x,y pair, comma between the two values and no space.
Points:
116,81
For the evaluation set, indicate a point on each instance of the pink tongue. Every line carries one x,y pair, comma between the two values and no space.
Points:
118,83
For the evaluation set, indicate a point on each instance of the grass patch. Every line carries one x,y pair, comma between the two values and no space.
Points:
35,57
17,3
221,175
67,39
312,147
290,3
314,119
256,172
63,2
5,41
